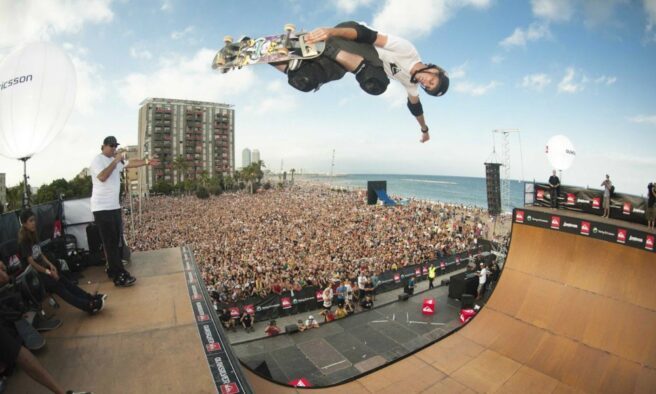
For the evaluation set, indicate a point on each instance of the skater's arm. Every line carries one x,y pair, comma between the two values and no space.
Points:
360,34
414,105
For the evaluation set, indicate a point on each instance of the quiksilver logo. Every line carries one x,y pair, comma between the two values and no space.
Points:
15,81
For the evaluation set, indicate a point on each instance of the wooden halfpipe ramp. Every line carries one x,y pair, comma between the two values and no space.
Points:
570,314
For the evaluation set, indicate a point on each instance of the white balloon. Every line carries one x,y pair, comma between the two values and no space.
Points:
560,152
37,94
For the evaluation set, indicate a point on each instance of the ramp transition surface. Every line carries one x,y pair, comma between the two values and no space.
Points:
569,314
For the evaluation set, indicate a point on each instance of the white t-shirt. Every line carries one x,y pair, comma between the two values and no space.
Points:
483,277
399,56
104,196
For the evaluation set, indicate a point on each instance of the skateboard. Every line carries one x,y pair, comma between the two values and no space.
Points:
285,47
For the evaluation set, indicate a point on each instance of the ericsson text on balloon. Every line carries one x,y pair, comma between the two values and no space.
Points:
15,81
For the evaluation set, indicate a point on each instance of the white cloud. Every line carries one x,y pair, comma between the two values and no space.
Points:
607,80
475,90
418,18
644,119
185,78
650,9
23,21
497,59
599,12
536,82
395,95
176,35
520,37
349,6
140,53
167,6
458,71
553,10
568,84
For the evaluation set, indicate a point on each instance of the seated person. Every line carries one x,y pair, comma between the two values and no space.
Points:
367,303
341,312
272,329
301,326
12,352
247,321
410,286
311,323
226,320
328,315
30,252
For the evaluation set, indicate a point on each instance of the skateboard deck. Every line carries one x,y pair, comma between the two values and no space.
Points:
283,47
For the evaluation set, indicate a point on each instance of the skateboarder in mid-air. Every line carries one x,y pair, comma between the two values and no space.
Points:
349,48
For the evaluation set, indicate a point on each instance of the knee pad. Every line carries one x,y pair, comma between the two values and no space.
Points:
308,77
372,79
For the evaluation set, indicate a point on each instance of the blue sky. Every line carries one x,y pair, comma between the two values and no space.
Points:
582,68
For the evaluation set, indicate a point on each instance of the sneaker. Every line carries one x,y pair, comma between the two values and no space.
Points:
96,305
101,296
124,280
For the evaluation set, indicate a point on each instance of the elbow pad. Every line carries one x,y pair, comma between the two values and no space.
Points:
415,109
365,34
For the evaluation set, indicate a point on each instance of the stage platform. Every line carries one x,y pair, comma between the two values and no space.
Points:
571,313
144,341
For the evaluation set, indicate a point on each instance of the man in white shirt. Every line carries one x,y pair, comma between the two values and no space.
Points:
400,61
482,279
106,178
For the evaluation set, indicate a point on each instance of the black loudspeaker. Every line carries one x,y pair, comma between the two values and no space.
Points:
403,297
372,186
467,301
493,182
291,328
263,370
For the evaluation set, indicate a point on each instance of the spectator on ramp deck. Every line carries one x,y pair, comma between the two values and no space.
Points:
608,193
650,213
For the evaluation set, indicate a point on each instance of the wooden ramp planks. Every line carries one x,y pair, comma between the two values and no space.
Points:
570,314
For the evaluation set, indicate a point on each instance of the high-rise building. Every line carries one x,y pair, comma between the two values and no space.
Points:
189,137
132,174
245,158
3,192
255,157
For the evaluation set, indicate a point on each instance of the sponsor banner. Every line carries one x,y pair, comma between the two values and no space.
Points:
224,366
601,231
286,303
625,207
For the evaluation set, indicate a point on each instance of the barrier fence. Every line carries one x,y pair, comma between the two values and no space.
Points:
310,298
626,207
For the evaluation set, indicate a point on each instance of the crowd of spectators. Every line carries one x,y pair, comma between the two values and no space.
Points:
276,240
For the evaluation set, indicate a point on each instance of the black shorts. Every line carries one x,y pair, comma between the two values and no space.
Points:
10,345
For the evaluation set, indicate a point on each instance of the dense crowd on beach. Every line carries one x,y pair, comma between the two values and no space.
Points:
277,240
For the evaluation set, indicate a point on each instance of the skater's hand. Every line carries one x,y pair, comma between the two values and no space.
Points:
319,34
424,137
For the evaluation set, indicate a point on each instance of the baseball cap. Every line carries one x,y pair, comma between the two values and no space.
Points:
111,140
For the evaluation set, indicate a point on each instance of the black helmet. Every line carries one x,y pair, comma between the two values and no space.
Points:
441,87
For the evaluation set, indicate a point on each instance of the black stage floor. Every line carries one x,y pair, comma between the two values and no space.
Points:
349,347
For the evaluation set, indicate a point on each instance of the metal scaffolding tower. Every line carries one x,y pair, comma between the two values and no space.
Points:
505,161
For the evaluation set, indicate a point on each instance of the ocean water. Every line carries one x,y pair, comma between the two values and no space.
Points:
449,189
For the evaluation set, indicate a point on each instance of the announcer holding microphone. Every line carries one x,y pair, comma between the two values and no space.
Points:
106,177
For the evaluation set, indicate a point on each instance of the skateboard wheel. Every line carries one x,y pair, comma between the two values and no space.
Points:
282,51
290,27
227,39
